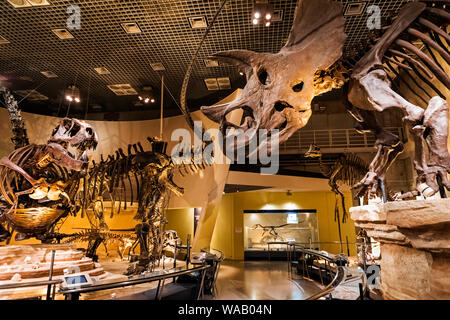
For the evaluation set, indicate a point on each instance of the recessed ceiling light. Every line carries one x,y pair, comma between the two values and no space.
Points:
28,3
211,84
39,2
102,70
19,3
131,27
3,40
277,15
211,63
122,89
63,33
49,74
224,83
157,66
198,22
355,9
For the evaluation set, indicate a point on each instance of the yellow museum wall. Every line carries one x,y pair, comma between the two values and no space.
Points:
182,221
228,233
122,220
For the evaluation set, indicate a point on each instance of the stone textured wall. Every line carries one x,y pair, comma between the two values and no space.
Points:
415,246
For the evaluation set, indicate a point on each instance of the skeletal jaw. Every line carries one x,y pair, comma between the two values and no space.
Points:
53,192
39,193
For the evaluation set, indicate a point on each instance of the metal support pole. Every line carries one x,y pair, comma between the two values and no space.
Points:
188,250
175,256
383,190
162,108
160,289
348,249
200,290
49,287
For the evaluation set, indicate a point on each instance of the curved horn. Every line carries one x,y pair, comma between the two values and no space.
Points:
240,58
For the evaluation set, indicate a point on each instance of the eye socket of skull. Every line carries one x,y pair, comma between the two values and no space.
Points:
263,77
89,131
298,87
67,123
75,128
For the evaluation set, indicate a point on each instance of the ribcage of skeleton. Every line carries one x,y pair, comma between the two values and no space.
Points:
420,50
30,159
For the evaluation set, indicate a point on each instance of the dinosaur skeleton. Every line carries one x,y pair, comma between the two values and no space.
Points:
39,182
96,237
270,231
281,86
347,169
144,177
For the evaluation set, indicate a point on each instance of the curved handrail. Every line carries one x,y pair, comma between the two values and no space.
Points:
341,277
341,274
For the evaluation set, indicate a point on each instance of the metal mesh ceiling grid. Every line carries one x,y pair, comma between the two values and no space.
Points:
166,37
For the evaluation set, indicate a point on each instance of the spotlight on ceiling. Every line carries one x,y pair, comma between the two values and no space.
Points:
146,95
72,94
261,9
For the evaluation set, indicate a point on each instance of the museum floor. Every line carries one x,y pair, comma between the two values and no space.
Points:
241,280
260,280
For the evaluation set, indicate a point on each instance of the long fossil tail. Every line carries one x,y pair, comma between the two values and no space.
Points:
20,137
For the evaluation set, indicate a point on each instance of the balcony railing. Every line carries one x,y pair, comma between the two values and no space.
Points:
334,140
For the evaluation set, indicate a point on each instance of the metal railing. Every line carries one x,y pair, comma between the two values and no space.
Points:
333,140
160,276
341,272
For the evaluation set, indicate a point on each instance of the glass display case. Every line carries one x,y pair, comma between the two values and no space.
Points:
277,227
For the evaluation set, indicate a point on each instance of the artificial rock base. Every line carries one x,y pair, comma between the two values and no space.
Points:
415,246
31,262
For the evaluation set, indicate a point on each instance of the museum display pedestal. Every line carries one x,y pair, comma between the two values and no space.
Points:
31,262
415,246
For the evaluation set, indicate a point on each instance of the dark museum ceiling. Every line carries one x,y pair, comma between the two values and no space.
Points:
166,37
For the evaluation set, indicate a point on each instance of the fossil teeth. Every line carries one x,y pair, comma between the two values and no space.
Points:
39,193
84,157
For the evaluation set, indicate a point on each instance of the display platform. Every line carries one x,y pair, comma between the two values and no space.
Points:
22,264
415,246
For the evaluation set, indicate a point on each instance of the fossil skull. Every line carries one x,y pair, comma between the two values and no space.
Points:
77,134
281,86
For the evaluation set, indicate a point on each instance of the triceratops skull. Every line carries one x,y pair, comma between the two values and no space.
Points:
75,133
281,86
